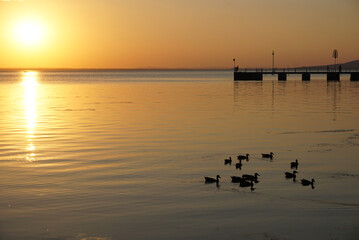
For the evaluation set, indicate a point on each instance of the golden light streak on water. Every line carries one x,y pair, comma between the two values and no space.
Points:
30,84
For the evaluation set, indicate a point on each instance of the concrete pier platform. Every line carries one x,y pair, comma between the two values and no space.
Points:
257,74
248,76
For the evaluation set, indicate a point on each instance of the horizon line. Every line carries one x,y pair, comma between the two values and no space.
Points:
150,68
109,69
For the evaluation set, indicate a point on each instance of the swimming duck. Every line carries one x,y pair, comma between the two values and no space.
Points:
239,165
212,180
291,175
250,177
294,164
266,155
246,184
236,179
306,182
242,157
228,161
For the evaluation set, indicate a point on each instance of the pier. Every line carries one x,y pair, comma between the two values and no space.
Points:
257,74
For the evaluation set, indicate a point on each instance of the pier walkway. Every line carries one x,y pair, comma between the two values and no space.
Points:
257,74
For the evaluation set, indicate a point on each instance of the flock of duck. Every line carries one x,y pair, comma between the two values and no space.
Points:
247,180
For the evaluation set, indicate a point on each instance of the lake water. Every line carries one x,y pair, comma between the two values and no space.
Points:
108,155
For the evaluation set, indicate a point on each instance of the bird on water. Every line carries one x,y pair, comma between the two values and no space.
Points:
239,165
291,175
243,157
266,155
306,182
251,177
237,179
228,161
294,164
245,183
212,180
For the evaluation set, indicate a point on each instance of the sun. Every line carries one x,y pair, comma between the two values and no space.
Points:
29,32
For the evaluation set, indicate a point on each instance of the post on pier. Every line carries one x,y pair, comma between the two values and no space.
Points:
273,62
306,76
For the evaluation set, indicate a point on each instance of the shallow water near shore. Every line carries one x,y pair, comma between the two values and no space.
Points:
123,155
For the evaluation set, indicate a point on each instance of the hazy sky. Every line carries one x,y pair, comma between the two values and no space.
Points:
176,33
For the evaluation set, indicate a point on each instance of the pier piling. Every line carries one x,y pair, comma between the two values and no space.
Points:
333,76
354,76
282,77
305,76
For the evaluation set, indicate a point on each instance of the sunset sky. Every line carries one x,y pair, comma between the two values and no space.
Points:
176,33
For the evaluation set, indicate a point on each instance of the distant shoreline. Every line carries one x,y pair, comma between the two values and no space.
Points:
349,65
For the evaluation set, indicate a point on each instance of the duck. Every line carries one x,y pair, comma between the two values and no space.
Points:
251,177
242,157
294,164
236,179
239,165
212,180
266,155
306,182
228,161
291,175
245,183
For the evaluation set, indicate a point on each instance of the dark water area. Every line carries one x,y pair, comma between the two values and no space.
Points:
123,155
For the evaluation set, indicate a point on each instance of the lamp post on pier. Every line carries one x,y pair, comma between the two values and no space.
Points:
273,62
335,56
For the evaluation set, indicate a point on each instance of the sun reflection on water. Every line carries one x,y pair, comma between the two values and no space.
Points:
29,82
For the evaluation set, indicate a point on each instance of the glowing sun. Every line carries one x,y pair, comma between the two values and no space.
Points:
29,33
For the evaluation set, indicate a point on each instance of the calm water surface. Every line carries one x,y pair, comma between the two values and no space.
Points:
122,155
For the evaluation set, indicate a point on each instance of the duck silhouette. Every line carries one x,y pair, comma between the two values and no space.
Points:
294,164
291,175
245,183
212,180
237,179
251,177
239,165
306,182
266,155
228,161
242,157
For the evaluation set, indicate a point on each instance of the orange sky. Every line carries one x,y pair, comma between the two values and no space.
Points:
177,33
